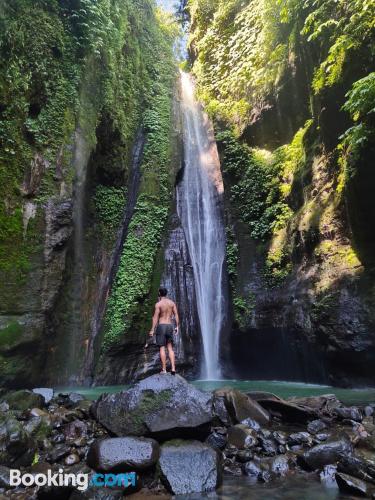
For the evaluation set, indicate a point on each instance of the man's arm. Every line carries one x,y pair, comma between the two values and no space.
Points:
175,312
155,320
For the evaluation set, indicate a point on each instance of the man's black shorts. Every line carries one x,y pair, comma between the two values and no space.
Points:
164,334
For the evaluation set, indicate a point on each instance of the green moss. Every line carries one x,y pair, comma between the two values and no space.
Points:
243,309
10,334
109,206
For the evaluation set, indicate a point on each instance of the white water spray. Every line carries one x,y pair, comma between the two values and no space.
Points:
200,209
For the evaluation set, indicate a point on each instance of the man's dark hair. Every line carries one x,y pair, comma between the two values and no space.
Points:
163,292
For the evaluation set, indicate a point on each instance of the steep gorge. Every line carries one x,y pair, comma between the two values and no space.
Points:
291,89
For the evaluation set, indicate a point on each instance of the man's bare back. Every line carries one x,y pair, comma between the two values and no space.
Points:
166,308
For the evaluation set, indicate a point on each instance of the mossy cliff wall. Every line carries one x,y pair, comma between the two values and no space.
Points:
78,80
290,87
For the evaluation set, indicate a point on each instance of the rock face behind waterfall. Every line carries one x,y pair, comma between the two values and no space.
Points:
158,406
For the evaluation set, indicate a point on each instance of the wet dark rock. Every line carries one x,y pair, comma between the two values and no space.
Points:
217,440
17,447
351,413
322,436
357,467
4,477
303,438
351,485
326,454
252,469
327,476
280,465
316,426
269,446
75,430
220,412
241,407
123,454
244,456
280,437
265,476
319,404
46,392
288,411
251,423
161,406
23,400
230,451
58,452
241,436
368,411
189,467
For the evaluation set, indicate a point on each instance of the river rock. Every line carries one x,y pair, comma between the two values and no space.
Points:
46,392
252,469
23,400
251,423
124,454
326,454
17,447
368,411
300,438
159,406
316,426
241,407
280,465
242,437
189,467
217,440
357,467
352,413
4,477
351,485
269,446
244,456
288,411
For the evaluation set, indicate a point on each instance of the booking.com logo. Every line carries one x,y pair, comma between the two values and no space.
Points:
81,481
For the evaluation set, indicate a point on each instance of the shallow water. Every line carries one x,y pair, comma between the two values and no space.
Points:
280,388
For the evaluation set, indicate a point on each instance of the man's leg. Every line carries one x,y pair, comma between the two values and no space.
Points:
171,356
163,359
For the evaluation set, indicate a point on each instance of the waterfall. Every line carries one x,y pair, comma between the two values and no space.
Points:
199,202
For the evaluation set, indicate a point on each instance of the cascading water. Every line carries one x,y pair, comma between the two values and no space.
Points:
199,202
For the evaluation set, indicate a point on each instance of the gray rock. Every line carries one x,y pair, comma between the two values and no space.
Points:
4,477
159,406
280,465
17,447
242,437
217,440
357,467
241,407
123,454
269,446
326,454
252,469
351,485
316,426
288,411
322,436
352,413
280,437
46,392
300,438
369,411
327,476
23,400
244,456
189,467
251,423
58,452
71,459
4,407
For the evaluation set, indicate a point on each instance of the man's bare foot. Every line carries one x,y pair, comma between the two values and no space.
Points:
163,371
173,372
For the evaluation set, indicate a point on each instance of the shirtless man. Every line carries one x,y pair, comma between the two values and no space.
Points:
162,322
